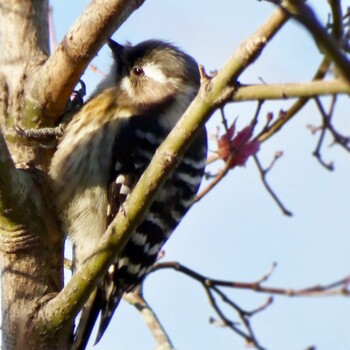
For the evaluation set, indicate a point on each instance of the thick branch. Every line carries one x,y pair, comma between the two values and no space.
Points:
296,107
29,255
337,19
250,50
21,38
24,242
23,34
329,46
292,90
56,79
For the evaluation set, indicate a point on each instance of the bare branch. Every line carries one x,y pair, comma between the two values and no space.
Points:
263,172
212,289
339,139
290,90
337,19
57,77
295,108
320,74
213,292
218,177
233,152
249,335
250,50
329,46
158,332
339,287
326,121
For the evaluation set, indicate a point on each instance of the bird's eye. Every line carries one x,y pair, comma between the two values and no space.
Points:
138,71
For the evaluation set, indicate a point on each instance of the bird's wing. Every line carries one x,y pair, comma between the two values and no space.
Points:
133,152
121,180
129,163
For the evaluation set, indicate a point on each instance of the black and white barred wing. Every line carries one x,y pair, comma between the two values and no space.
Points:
134,150
164,214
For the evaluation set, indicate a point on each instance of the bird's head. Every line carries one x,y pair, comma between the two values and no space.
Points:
152,73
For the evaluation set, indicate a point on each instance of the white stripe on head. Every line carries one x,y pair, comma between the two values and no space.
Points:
154,72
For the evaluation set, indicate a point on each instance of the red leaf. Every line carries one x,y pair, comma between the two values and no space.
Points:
239,145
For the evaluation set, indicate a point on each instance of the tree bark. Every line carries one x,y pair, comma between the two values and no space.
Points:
30,241
34,91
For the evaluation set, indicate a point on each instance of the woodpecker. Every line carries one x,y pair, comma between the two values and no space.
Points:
104,151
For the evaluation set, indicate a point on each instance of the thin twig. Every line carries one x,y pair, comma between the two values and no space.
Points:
243,315
339,287
227,322
339,139
219,176
326,120
263,172
296,107
228,164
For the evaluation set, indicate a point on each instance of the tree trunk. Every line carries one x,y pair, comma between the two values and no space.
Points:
30,241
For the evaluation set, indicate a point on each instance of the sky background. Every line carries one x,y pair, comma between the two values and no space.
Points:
237,231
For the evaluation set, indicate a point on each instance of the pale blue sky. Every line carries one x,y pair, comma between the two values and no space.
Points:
237,231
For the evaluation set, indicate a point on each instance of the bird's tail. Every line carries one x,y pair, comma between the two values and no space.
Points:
110,296
104,300
87,321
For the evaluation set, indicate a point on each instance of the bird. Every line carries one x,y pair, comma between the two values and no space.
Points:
102,154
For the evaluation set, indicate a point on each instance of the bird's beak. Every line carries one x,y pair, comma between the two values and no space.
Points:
116,48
